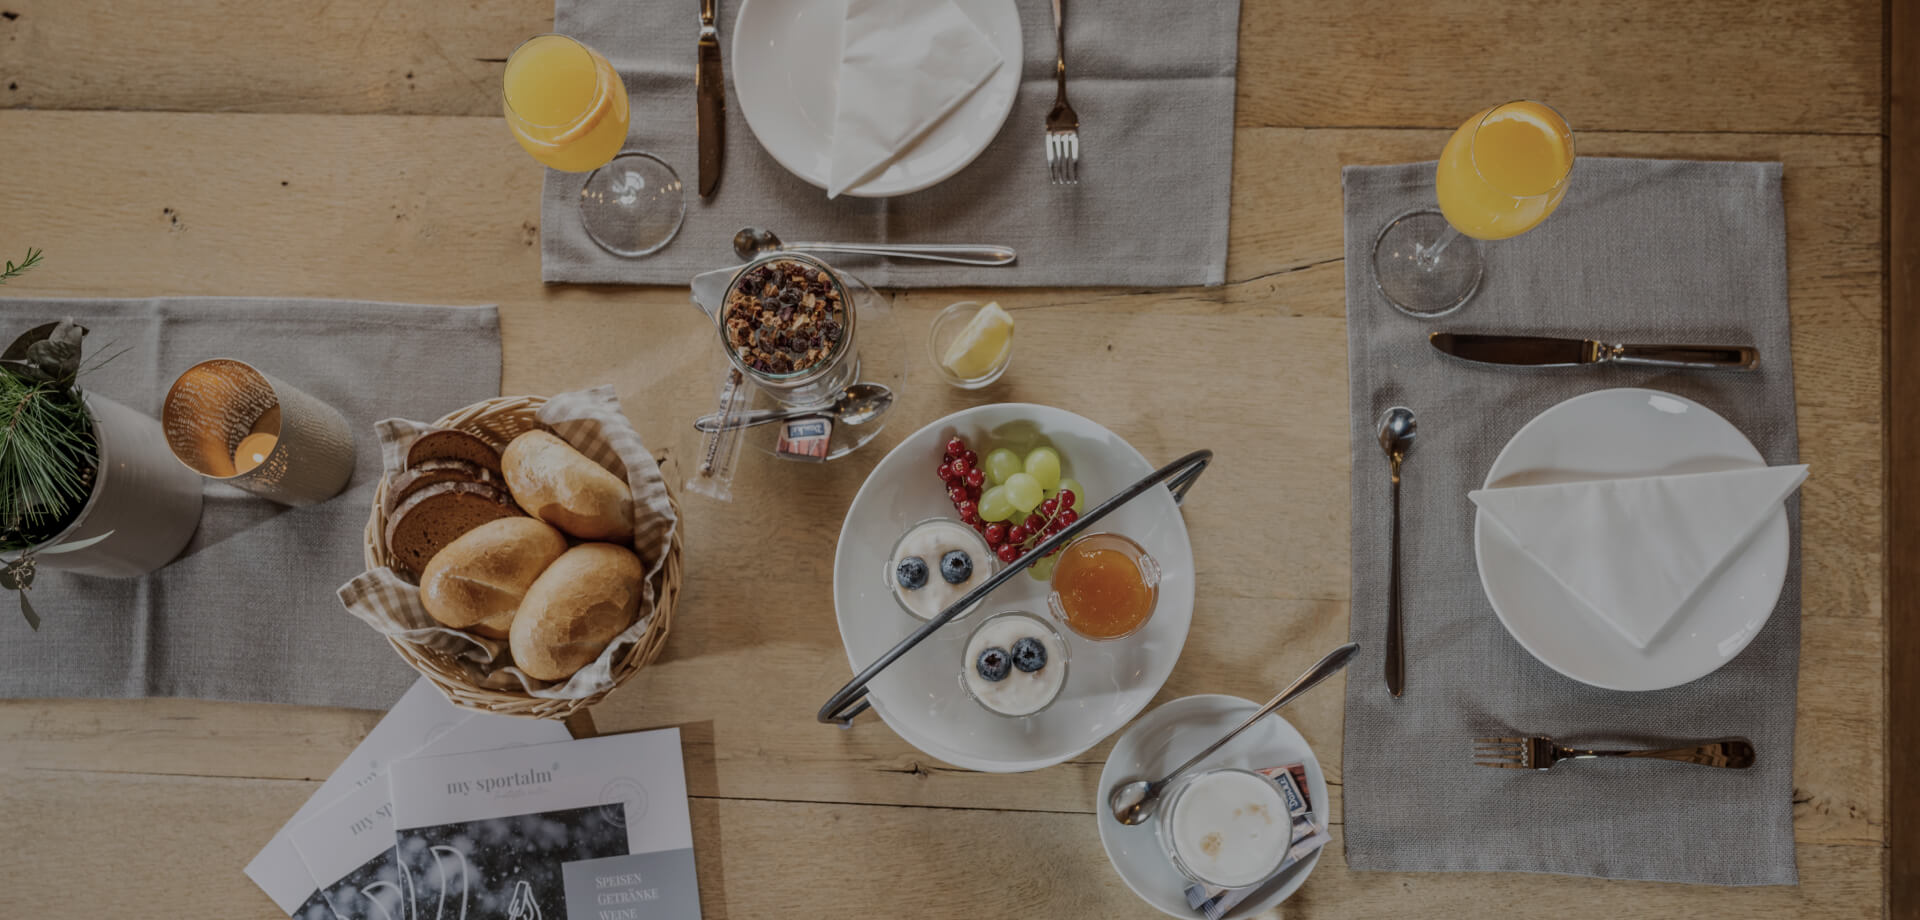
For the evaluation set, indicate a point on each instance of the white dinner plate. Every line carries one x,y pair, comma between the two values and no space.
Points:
1614,434
786,65
1164,739
920,695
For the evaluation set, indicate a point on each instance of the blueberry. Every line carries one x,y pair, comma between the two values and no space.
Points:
956,566
993,665
1029,655
911,573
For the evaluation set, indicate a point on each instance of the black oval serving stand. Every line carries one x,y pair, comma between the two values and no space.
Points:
1178,477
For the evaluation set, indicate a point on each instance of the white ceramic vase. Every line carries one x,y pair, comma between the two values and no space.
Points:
142,494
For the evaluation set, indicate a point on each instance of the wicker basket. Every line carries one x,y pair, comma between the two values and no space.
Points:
499,421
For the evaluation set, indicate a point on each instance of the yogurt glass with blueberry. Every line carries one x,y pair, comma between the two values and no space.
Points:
1015,664
935,563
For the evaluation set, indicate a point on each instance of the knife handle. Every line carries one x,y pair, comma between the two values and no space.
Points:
1727,357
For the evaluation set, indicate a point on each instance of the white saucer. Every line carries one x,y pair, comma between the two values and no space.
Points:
1615,434
1162,740
920,695
786,65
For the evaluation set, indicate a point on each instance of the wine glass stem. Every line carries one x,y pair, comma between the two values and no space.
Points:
1429,256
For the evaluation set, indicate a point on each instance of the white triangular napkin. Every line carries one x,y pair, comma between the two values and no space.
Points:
1635,551
904,64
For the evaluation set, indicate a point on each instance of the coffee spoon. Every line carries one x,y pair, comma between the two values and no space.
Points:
855,405
752,241
1397,427
1134,802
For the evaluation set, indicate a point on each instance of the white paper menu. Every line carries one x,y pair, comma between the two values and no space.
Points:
346,847
595,829
421,715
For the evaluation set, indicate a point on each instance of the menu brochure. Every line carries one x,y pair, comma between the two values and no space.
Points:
595,829
347,846
421,715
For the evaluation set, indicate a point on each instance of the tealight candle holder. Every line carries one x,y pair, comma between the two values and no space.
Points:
232,423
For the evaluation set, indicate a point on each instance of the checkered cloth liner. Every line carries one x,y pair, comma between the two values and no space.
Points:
592,422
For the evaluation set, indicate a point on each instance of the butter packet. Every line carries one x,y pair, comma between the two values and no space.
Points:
805,438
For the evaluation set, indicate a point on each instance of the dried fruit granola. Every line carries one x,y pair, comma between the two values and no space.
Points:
783,317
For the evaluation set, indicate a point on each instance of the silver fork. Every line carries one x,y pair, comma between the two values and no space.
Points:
1063,126
1539,753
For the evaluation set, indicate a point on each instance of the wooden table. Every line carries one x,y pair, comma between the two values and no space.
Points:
354,149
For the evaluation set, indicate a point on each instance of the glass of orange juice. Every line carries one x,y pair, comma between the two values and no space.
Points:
1501,173
566,106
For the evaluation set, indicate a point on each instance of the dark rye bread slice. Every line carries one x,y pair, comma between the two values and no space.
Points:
437,515
447,444
432,472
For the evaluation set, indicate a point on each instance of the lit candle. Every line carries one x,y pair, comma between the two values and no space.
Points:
253,451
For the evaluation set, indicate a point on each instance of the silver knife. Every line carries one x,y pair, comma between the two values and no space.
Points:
1538,351
710,102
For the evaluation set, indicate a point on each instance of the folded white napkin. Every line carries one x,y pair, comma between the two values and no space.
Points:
1635,551
904,64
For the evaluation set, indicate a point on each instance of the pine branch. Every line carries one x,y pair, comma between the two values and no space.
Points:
46,457
12,270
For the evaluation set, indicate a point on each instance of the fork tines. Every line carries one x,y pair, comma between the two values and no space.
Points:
1509,753
1063,157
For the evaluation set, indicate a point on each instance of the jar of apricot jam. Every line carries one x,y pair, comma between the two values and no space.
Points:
1104,586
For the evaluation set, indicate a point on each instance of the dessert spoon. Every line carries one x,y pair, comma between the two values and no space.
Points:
752,241
1134,802
855,405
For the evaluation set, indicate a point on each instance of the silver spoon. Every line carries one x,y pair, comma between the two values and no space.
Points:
1134,802
752,241
1397,428
857,404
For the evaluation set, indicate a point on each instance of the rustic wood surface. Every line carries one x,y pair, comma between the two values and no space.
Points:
351,149
1903,498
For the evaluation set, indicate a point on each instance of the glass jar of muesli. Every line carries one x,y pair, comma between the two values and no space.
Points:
787,323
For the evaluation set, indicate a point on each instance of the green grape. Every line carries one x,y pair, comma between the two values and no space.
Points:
1043,464
1024,491
994,505
1043,570
1000,464
1079,493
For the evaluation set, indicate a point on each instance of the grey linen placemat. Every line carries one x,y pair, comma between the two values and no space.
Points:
1153,83
248,612
1640,251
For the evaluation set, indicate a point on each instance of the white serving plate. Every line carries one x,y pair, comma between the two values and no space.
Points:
1164,739
786,67
920,695
1620,433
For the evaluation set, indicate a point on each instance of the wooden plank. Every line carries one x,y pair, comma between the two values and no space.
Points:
1903,453
412,57
1635,65
182,857
1640,65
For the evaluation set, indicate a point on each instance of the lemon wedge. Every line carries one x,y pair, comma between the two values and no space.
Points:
982,345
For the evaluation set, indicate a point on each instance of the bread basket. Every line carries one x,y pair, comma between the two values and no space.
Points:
498,421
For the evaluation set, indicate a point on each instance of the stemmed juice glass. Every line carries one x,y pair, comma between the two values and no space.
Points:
1502,173
566,106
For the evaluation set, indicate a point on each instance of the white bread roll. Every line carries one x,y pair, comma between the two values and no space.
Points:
559,485
477,581
575,608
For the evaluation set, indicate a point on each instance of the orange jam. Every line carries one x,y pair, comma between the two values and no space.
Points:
1104,586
